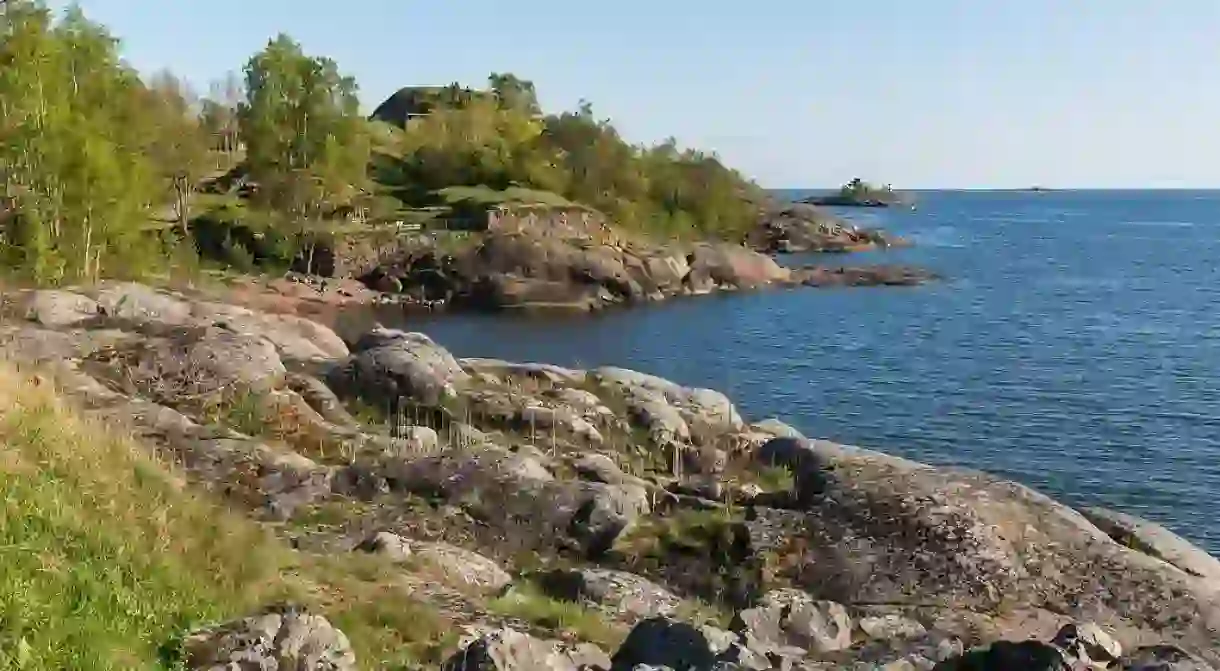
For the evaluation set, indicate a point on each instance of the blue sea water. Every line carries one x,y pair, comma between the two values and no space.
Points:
1074,347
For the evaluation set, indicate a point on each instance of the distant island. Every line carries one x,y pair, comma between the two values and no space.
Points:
858,193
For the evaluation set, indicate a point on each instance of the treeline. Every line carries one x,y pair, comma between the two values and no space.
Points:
502,140
100,168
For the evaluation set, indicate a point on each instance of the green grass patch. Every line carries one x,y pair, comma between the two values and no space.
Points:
529,603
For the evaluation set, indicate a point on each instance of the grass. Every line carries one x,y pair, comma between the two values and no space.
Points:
106,560
774,478
528,602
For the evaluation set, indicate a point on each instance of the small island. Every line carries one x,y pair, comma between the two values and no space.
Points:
859,193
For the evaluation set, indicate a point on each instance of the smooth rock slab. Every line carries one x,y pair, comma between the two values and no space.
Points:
1154,540
58,308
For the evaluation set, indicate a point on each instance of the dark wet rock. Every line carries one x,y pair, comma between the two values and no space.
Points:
622,592
1011,656
892,276
283,639
1154,540
661,642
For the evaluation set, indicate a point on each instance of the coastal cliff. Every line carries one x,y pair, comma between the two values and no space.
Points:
556,518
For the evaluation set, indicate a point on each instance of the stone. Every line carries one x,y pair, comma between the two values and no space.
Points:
320,398
59,308
890,626
599,468
218,362
506,649
649,393
388,545
417,440
625,593
463,568
388,365
1155,540
294,337
792,619
143,305
1088,644
285,639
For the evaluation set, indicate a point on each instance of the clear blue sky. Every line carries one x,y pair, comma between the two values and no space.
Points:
934,93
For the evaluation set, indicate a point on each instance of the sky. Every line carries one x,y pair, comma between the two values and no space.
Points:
794,93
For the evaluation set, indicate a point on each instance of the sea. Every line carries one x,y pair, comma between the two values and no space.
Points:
1074,346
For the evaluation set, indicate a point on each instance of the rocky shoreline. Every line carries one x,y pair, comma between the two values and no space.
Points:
698,538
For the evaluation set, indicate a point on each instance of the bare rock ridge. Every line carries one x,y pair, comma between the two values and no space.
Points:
685,535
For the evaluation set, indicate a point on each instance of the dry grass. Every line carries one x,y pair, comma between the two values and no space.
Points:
105,560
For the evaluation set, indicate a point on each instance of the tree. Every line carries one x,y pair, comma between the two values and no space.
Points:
78,186
178,142
307,146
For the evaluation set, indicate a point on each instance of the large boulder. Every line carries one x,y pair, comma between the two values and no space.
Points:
519,498
461,568
193,366
622,592
661,642
509,650
648,394
59,308
295,337
284,639
388,365
734,266
143,305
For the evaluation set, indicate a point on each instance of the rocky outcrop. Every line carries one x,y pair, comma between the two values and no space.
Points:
801,227
389,365
504,271
284,639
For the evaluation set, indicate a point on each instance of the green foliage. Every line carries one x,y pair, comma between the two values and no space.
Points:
503,142
78,184
529,603
307,147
